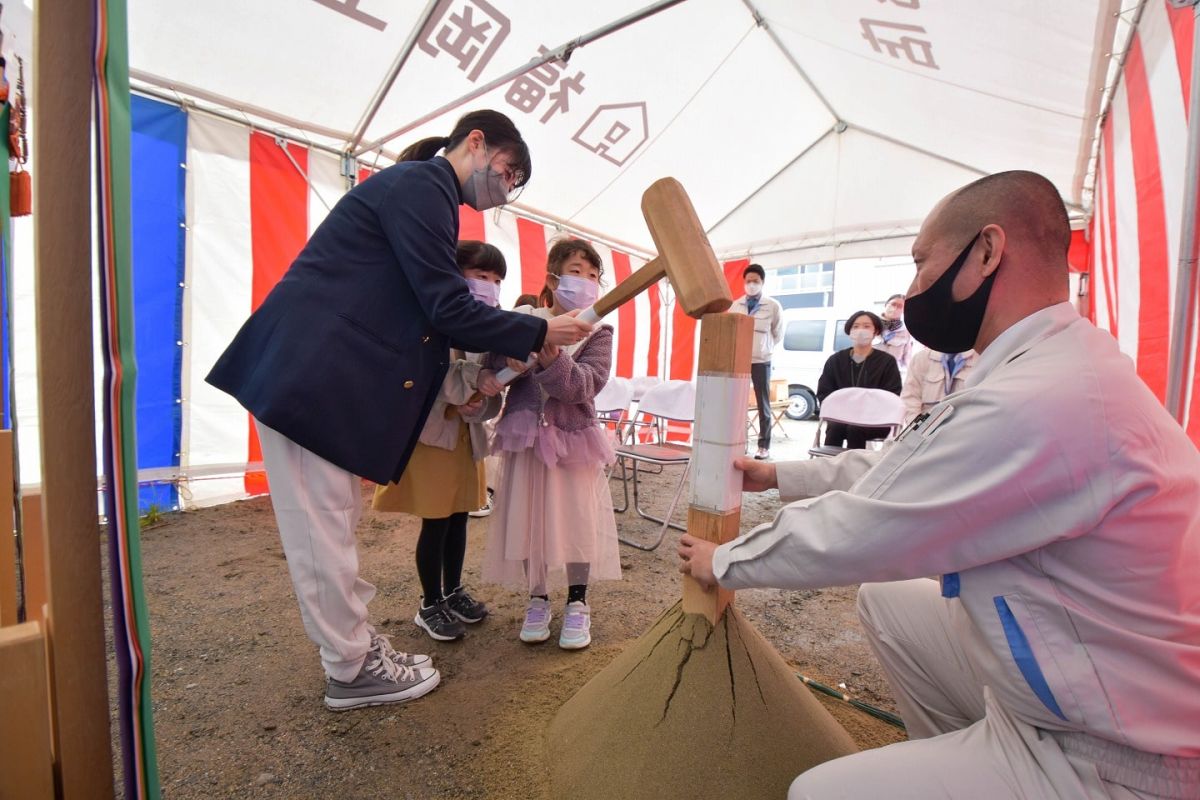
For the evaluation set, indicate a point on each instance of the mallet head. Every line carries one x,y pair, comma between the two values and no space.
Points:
693,269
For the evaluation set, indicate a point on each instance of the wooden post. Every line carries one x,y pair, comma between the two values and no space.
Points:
719,437
26,761
33,550
8,542
62,97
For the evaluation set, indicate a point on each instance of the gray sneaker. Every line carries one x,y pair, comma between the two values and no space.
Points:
380,681
384,645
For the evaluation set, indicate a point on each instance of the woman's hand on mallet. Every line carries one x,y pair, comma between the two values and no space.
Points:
757,476
487,384
696,558
565,329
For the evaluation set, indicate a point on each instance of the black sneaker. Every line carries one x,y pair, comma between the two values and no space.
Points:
439,623
465,607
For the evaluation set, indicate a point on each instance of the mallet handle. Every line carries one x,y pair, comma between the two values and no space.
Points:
649,273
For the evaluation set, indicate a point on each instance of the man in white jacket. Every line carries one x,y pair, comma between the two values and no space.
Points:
1058,656
768,332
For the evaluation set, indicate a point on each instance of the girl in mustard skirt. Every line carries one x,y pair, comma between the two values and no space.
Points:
445,479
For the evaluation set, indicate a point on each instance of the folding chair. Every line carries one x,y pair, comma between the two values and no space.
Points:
867,408
612,404
670,401
640,385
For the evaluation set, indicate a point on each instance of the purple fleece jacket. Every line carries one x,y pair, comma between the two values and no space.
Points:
571,384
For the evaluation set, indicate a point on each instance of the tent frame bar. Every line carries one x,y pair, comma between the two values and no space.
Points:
830,130
561,53
381,93
1186,289
1110,92
189,104
762,22
175,89
544,218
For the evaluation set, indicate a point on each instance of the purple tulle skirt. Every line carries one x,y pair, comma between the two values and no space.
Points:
522,430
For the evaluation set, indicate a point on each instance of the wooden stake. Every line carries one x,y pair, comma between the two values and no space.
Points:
62,96
719,436
26,761
8,542
33,551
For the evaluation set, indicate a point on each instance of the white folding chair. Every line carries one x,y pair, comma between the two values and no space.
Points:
867,408
640,385
666,402
612,404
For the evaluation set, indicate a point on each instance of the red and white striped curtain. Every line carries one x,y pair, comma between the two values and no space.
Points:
1136,227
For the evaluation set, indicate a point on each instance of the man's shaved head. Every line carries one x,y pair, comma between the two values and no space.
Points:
1015,231
1025,204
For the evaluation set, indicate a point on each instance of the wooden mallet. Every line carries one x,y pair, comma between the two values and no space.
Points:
684,257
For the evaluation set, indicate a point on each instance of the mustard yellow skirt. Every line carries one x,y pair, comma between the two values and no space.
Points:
437,483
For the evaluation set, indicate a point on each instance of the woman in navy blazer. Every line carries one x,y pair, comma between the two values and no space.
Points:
341,363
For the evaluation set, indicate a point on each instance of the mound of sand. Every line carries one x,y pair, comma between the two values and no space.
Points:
690,711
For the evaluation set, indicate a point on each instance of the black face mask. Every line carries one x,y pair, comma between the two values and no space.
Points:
941,323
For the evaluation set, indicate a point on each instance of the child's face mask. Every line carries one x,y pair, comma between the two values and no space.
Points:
485,292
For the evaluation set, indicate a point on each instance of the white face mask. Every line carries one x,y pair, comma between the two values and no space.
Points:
485,292
753,288
861,336
575,292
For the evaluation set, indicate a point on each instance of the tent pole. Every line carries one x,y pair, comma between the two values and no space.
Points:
561,53
381,93
1182,331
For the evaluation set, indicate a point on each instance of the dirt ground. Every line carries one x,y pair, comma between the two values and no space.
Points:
238,687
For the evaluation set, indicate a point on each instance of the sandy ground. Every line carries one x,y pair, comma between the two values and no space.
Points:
237,685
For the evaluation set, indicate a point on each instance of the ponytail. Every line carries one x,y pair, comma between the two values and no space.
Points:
546,298
498,131
424,149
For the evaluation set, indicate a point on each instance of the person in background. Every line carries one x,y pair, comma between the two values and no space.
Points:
526,300
554,513
768,332
895,338
931,376
445,477
859,365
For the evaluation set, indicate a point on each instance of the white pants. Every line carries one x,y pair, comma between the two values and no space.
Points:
962,742
317,508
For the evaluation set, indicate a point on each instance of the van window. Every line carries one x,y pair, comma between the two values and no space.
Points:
840,340
805,334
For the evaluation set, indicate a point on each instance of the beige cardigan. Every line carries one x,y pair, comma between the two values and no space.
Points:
457,388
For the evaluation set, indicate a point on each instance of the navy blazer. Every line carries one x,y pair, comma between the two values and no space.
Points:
346,354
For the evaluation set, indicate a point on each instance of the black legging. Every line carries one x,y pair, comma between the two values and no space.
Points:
441,548
854,436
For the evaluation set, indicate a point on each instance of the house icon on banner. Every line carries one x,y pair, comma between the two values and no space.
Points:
615,131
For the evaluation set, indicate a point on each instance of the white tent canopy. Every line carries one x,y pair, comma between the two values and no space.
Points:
823,127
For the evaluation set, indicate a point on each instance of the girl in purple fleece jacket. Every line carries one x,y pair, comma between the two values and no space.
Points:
554,514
